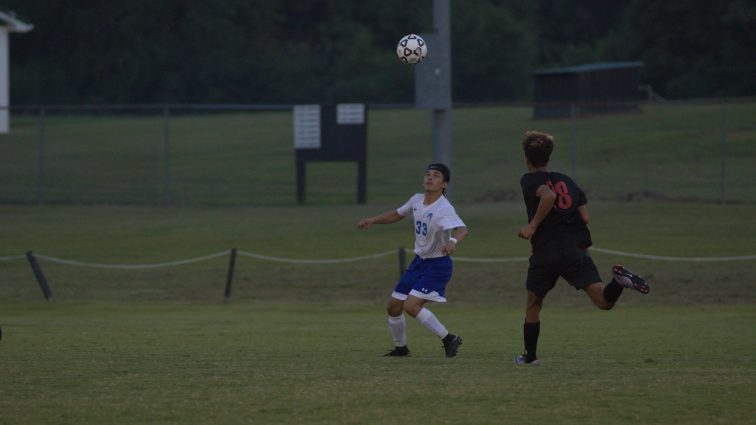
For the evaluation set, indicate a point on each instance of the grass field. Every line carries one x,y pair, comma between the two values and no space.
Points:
302,343
321,364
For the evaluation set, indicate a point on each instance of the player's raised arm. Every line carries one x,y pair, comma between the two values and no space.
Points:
388,217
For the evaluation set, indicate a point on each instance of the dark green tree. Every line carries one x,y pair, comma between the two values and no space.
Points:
692,48
291,51
492,51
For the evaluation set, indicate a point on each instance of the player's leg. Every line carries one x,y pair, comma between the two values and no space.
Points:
415,307
543,273
605,296
395,309
435,273
531,330
580,271
397,327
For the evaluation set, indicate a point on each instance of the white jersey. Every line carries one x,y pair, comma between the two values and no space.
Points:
433,224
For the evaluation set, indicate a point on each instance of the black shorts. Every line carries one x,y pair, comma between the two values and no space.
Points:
573,264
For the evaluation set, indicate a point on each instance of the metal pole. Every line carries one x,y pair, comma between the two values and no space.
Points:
441,134
41,158
573,137
442,146
166,155
723,155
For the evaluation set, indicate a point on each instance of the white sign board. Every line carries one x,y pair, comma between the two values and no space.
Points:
307,126
350,113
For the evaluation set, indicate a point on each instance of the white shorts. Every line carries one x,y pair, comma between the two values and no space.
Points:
431,296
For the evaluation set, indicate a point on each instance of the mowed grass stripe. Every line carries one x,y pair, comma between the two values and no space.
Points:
281,363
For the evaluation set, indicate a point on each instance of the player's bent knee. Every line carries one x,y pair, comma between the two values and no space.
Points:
395,307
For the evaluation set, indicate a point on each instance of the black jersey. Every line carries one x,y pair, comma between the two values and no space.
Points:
563,226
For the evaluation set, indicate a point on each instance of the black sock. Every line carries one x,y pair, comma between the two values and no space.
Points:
531,332
612,291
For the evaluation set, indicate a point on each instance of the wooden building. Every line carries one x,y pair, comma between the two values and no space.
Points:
592,89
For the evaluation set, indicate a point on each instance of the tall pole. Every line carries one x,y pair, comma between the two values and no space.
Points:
442,141
4,84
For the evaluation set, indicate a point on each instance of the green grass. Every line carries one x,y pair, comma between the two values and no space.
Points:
145,235
302,343
322,364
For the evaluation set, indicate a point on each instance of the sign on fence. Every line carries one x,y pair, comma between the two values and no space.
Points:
331,133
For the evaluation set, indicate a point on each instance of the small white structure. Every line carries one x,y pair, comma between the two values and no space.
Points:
8,24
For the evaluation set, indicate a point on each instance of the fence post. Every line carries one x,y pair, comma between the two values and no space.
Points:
402,261
573,136
166,155
41,158
39,275
230,275
723,154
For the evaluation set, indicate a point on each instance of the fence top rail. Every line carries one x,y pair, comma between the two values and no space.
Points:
181,107
289,106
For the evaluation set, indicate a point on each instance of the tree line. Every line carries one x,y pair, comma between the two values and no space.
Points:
294,51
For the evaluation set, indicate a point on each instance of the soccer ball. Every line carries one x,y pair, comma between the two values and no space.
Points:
411,49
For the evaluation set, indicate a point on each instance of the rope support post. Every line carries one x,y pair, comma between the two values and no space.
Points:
230,275
40,276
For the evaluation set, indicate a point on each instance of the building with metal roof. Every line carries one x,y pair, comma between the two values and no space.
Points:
8,24
589,89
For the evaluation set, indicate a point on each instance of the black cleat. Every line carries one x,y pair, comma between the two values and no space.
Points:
630,280
451,344
398,352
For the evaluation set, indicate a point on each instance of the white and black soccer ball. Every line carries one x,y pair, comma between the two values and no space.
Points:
411,49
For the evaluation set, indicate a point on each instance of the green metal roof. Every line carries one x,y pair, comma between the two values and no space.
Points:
591,67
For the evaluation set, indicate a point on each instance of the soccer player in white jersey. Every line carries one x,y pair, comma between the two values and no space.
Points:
438,229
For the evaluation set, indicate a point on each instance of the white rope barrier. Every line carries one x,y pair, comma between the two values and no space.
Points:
296,261
666,258
12,257
130,266
620,253
362,258
32,257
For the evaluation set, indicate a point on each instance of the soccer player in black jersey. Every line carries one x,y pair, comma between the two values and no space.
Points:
558,232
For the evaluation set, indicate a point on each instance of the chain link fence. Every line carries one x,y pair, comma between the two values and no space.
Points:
701,151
